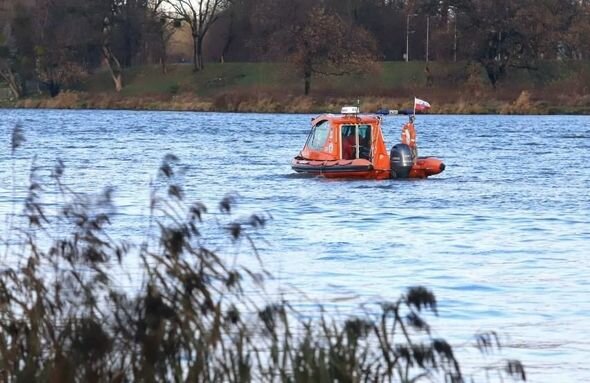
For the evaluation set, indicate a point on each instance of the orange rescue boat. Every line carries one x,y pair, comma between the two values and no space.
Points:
351,145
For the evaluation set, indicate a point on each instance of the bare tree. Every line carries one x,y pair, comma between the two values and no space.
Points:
506,35
7,64
16,46
162,28
227,34
326,45
113,63
316,41
60,48
199,15
10,76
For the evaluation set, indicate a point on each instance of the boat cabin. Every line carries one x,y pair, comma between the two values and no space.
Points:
351,145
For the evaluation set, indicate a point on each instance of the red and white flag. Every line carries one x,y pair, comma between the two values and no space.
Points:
421,105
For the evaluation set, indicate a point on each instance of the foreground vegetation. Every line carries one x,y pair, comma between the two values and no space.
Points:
554,88
190,314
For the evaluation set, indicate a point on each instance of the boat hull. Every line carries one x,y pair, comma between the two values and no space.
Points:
426,167
363,169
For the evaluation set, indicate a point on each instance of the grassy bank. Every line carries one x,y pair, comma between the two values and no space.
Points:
553,88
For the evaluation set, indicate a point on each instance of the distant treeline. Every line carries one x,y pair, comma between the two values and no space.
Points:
49,45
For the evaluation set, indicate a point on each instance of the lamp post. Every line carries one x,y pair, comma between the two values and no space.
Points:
408,36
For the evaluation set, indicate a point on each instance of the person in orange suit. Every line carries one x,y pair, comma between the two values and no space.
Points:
409,137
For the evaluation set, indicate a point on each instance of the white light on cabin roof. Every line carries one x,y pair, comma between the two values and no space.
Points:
350,110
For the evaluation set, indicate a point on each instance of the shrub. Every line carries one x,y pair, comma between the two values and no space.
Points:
174,89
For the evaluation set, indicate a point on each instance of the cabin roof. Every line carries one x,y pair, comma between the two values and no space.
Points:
348,118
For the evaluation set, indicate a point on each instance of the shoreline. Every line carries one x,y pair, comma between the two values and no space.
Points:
261,103
558,88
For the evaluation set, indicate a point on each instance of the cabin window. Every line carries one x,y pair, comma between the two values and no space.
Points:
356,142
365,139
319,136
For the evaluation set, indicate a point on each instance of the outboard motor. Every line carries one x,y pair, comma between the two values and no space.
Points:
401,161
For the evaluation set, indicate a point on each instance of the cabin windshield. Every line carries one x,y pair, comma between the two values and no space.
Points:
355,141
318,136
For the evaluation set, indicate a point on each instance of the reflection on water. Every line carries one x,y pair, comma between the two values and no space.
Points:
501,236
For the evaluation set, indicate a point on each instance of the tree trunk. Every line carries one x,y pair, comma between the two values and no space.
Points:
13,83
164,58
15,90
307,79
307,71
495,71
163,65
118,80
201,65
195,54
54,88
114,68
229,40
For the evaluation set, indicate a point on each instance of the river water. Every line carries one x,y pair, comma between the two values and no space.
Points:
502,236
